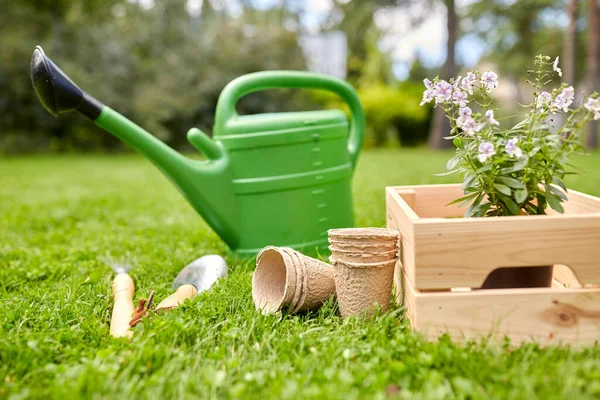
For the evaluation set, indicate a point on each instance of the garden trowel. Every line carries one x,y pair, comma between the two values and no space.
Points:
197,277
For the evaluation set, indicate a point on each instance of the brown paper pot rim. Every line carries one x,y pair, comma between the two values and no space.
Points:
350,264
319,284
364,257
299,289
271,281
362,246
301,272
363,252
364,234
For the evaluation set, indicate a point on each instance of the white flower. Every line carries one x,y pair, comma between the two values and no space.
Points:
593,105
428,93
459,97
469,126
512,149
467,83
486,150
555,67
465,112
490,116
489,80
564,99
457,82
442,92
543,99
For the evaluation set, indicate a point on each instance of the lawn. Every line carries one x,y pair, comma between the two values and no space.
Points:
59,217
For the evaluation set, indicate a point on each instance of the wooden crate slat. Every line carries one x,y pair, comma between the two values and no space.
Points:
462,252
542,315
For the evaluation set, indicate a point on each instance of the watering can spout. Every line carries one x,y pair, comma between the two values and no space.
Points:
207,185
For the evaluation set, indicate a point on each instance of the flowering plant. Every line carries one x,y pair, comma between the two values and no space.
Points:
518,170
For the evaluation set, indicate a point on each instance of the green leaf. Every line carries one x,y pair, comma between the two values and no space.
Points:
471,211
512,182
482,209
554,202
452,163
558,192
520,195
454,171
560,183
502,188
467,183
519,165
533,151
486,167
457,142
467,197
510,205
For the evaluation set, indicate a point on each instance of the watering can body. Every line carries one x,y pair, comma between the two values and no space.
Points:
279,179
291,172
291,178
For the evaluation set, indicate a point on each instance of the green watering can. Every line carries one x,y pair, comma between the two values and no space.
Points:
269,179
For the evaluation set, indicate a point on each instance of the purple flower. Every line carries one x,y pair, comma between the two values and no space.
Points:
442,92
489,80
465,112
428,93
512,149
460,98
490,116
543,100
564,99
469,126
467,83
555,67
486,150
593,105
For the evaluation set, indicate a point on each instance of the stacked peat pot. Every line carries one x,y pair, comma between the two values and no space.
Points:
285,278
363,267
363,262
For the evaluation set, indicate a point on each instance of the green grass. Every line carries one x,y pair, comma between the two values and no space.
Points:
59,216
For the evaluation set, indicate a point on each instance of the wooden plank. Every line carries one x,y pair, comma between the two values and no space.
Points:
581,203
547,316
565,276
402,297
432,199
401,217
462,252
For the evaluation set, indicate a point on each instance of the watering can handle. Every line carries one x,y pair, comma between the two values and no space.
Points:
265,80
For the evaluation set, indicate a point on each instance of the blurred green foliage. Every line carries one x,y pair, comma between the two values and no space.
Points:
161,67
164,67
395,111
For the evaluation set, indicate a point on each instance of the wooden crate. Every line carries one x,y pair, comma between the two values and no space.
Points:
443,260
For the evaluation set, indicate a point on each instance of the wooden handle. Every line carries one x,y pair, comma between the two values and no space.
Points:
182,293
123,308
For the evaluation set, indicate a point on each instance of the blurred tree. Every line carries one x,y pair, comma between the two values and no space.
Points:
515,33
418,72
440,126
356,21
570,43
592,63
155,62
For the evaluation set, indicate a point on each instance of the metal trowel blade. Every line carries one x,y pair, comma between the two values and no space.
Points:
202,273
